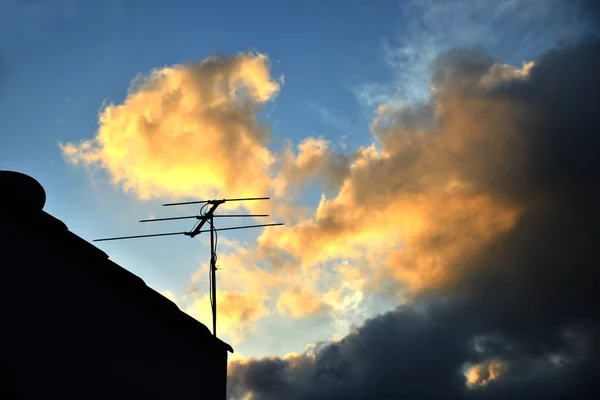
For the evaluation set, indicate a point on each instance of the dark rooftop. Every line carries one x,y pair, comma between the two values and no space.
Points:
21,205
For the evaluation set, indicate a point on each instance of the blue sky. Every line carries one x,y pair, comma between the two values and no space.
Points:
61,61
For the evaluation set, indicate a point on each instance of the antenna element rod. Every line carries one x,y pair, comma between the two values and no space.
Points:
241,215
213,201
140,236
166,219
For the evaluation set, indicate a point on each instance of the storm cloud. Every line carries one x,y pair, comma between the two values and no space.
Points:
509,307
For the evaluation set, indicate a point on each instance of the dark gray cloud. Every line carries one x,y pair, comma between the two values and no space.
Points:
528,299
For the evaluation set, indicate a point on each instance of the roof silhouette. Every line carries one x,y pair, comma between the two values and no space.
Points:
64,292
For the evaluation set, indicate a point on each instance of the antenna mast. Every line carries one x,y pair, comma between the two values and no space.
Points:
203,218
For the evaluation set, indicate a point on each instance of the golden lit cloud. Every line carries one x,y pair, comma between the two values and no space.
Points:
482,374
310,159
299,301
188,130
236,357
427,198
313,159
295,294
243,290
409,209
237,313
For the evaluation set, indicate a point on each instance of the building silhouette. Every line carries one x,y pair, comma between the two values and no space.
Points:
77,325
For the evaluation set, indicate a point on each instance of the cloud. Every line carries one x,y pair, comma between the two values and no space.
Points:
243,293
478,203
169,295
419,201
355,367
314,158
193,131
485,372
483,203
299,301
410,354
331,119
312,154
237,313
347,302
188,130
372,94
434,27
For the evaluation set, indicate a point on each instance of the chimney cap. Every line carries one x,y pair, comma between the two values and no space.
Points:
20,191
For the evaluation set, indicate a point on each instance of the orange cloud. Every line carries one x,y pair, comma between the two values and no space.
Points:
296,296
188,130
482,374
299,301
243,290
311,158
237,313
410,209
428,198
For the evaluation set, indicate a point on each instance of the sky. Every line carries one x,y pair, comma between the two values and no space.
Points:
433,162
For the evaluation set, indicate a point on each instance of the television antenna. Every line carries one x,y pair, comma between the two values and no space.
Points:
203,217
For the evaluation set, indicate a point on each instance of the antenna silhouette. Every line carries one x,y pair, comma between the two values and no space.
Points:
202,218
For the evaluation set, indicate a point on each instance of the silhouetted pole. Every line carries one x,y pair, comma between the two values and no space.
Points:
213,276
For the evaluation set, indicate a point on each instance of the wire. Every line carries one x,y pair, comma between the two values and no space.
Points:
213,258
215,251
213,300
213,261
210,282
214,255
202,212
